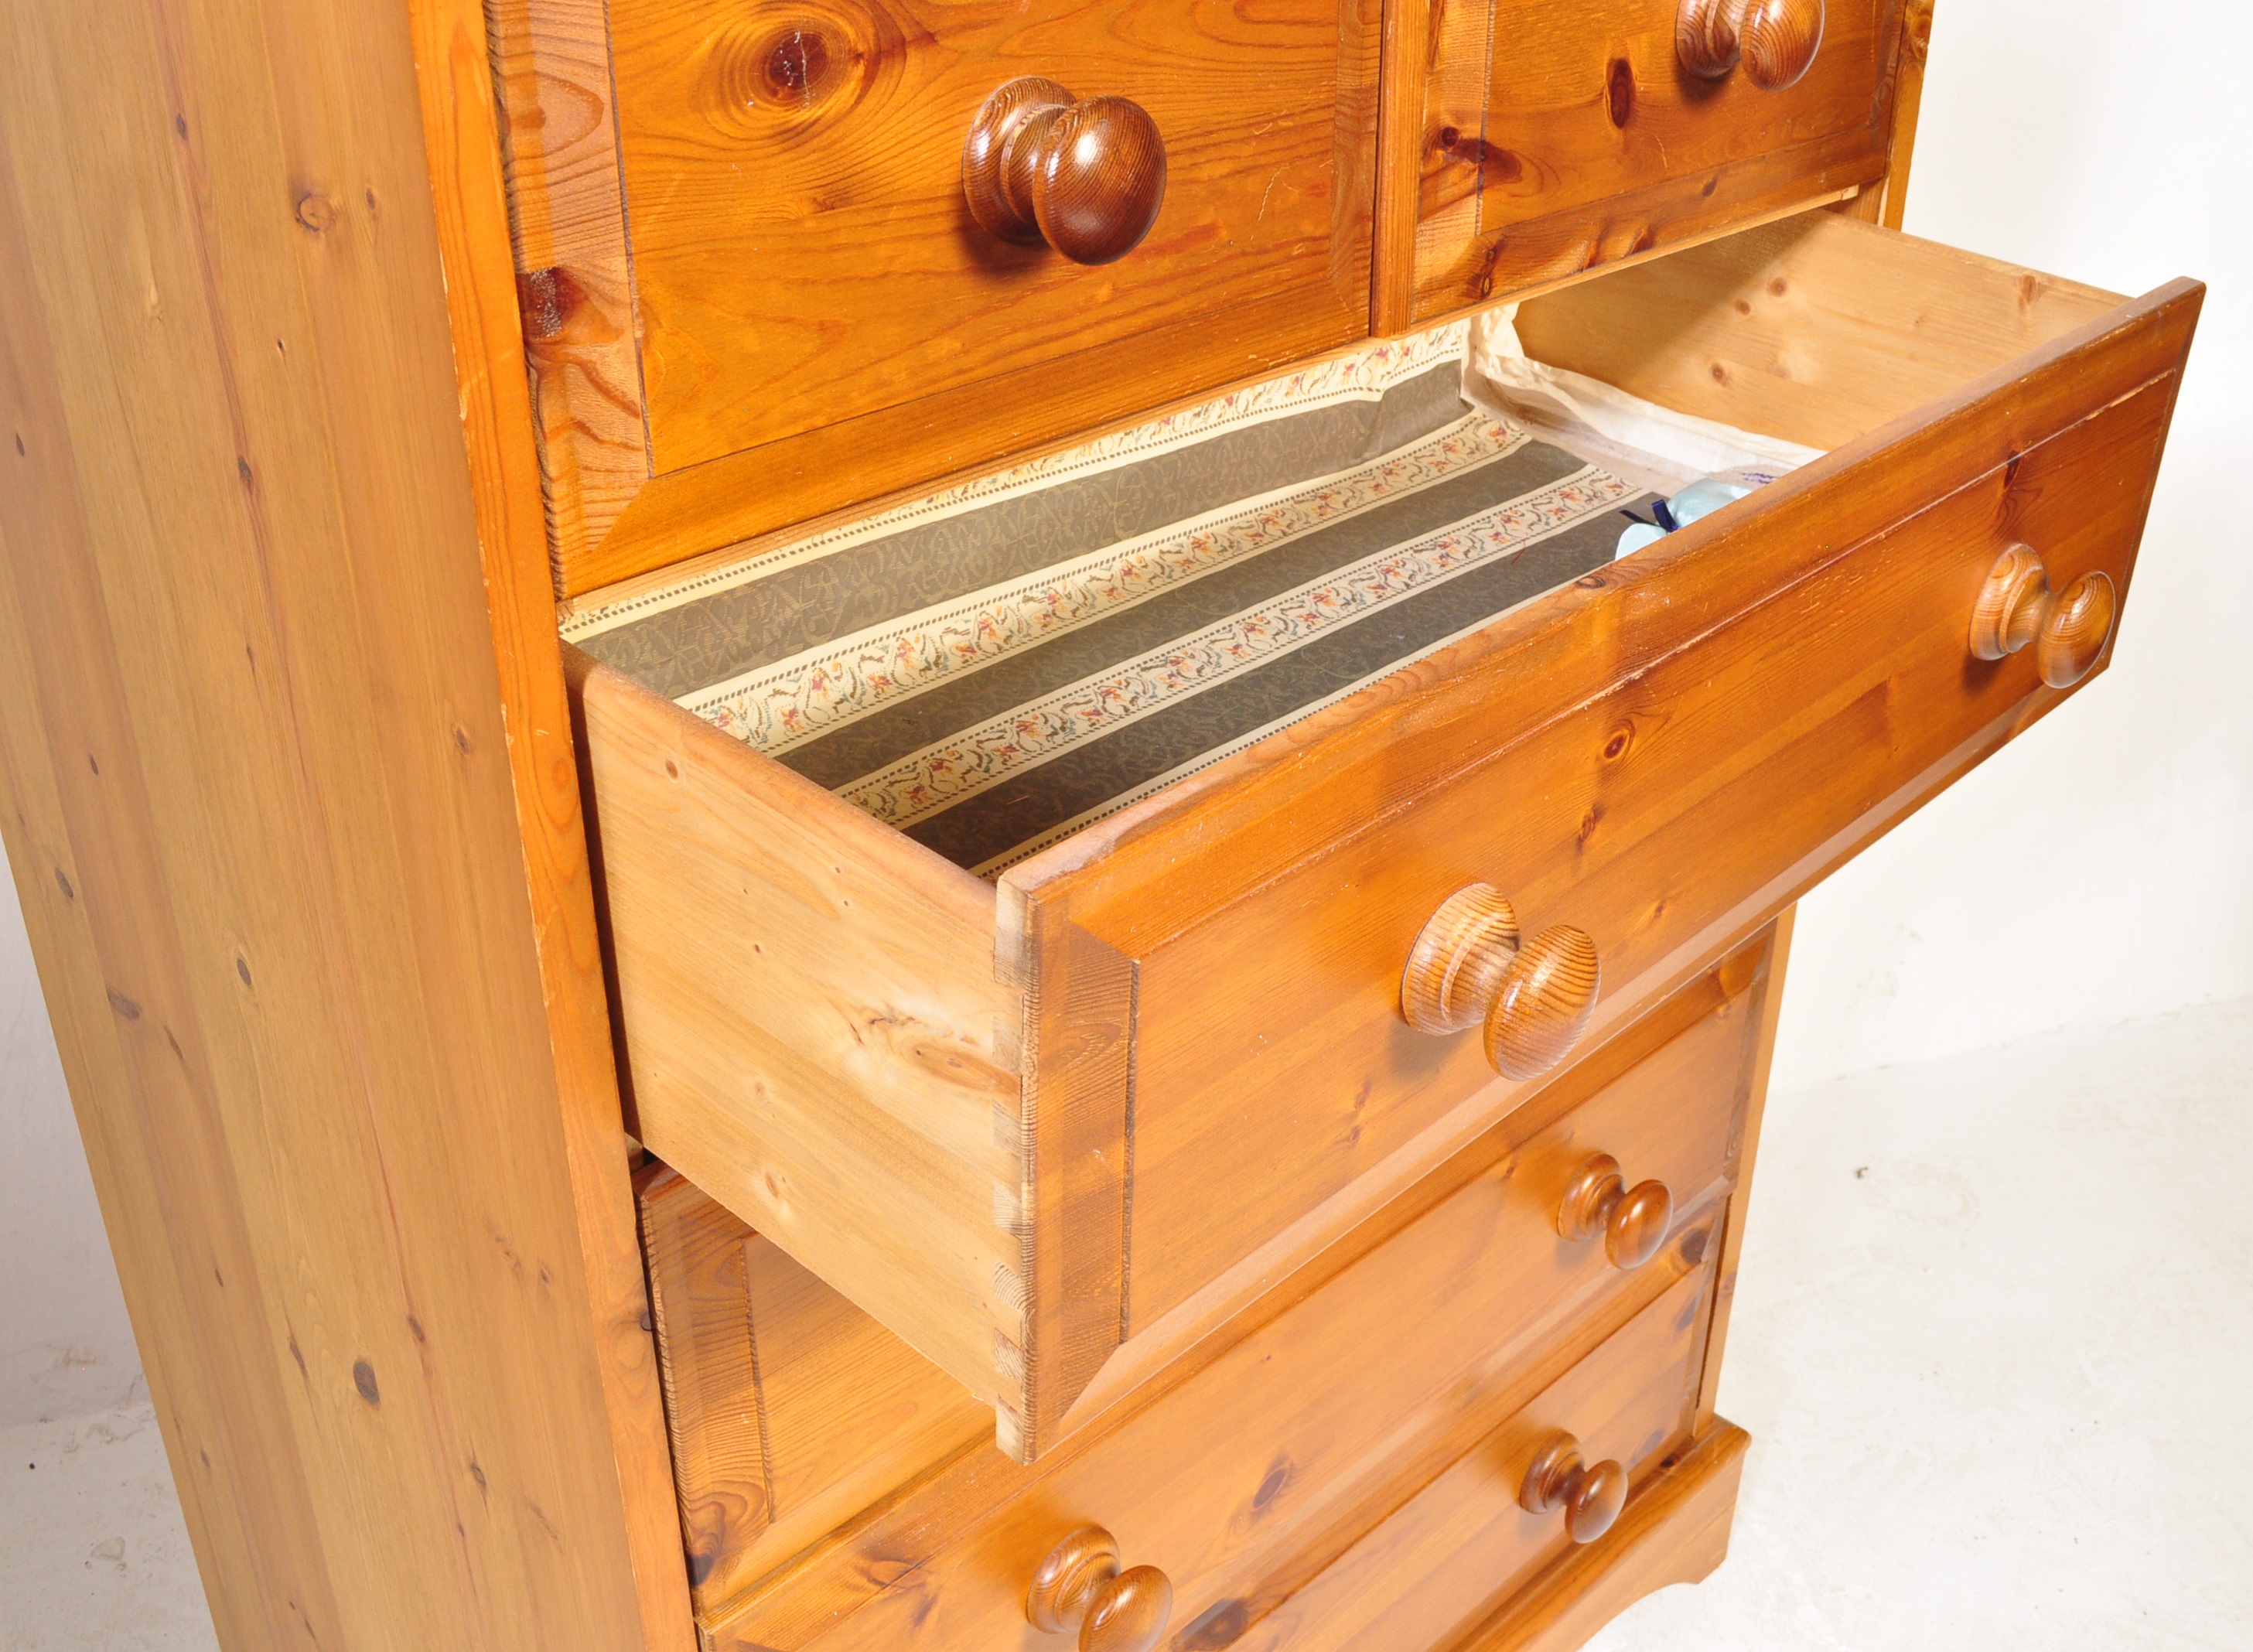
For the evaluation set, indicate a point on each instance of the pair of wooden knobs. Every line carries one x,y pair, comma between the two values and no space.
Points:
1087,176
1776,41
1080,1585
2017,609
1591,1494
1471,967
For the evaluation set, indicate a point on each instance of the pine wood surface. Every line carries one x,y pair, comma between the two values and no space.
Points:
1718,722
1817,329
1675,1529
1068,1211
850,466
454,75
1736,726
845,277
551,81
693,331
816,1037
1886,202
792,1411
1249,1465
1529,141
1464,1540
264,817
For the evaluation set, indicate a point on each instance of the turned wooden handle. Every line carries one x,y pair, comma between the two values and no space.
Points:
2069,629
1776,40
1469,966
1080,1585
1085,177
1634,1221
1591,1497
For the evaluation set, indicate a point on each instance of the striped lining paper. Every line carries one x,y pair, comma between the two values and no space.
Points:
994,667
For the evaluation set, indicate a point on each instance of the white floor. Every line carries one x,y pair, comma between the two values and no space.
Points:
92,1550
1994,1340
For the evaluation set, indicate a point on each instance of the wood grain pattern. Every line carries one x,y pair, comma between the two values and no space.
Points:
1887,201
452,54
1239,1475
1468,965
820,1040
843,329
1818,328
1676,1530
1075,1143
1551,138
792,1411
1544,1002
579,316
265,822
1464,1540
1706,713
816,1037
843,282
948,434
1775,41
699,1304
1455,968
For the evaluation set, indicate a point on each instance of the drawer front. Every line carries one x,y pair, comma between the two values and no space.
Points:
1466,1542
1051,1130
1558,136
1661,756
801,311
1343,1402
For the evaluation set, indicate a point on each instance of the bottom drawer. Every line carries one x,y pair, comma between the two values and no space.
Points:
1469,1540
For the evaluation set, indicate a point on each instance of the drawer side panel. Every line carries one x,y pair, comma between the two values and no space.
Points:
813,1029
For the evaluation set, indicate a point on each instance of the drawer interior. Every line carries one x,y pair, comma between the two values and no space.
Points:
994,668
1045,1096
1817,329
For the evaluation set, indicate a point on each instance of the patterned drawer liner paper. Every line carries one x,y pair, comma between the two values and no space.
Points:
991,668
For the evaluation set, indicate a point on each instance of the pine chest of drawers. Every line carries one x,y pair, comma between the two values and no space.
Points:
1143,982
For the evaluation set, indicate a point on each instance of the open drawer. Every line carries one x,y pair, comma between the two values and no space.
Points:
1051,1128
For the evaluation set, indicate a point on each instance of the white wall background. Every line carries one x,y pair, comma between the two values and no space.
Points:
2100,869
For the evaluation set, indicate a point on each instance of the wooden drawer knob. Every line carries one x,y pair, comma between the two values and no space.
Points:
1469,966
2069,629
1086,178
1591,1497
1776,40
1080,1585
1634,1221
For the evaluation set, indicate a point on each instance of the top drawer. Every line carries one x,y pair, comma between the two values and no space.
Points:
1549,138
1050,1130
755,289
